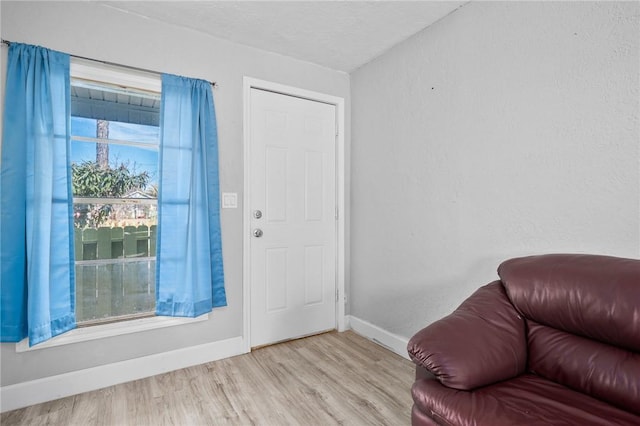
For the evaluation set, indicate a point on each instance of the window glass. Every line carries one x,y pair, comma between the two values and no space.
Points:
114,168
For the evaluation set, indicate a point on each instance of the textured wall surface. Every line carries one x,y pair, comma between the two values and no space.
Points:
87,29
506,129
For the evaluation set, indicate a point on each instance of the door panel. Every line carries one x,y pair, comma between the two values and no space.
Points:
314,274
293,184
276,184
276,278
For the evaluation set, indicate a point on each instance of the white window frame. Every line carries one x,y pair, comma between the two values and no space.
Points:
129,78
133,79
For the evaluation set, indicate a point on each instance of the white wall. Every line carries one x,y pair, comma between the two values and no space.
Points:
88,29
505,129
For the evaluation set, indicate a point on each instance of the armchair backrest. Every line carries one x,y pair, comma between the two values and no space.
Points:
583,321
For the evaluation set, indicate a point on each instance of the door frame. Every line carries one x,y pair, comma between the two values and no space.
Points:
253,83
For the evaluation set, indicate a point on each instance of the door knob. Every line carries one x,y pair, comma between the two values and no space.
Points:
257,233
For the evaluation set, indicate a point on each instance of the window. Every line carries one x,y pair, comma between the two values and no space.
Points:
114,167
40,205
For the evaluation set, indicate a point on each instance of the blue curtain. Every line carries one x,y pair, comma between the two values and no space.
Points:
189,276
36,214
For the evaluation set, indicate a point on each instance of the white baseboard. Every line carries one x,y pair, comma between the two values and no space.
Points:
63,385
393,342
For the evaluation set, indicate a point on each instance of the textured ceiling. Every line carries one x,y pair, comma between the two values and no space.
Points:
342,35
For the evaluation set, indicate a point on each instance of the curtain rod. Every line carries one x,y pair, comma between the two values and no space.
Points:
213,83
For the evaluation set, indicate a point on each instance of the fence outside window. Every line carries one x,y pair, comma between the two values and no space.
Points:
115,272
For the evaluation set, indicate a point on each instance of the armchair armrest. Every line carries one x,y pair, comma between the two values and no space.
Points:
480,343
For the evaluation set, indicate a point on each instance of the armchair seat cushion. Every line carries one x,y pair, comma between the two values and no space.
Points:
525,400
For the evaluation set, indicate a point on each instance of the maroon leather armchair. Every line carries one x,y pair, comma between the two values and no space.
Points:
556,341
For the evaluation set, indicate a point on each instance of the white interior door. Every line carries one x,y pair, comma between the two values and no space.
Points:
293,220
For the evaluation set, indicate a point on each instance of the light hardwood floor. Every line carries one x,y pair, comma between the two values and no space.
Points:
333,378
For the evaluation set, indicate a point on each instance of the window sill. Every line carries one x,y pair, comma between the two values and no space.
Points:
108,330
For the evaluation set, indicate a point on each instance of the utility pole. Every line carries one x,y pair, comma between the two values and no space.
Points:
102,149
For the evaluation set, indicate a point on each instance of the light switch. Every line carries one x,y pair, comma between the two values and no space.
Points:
229,200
